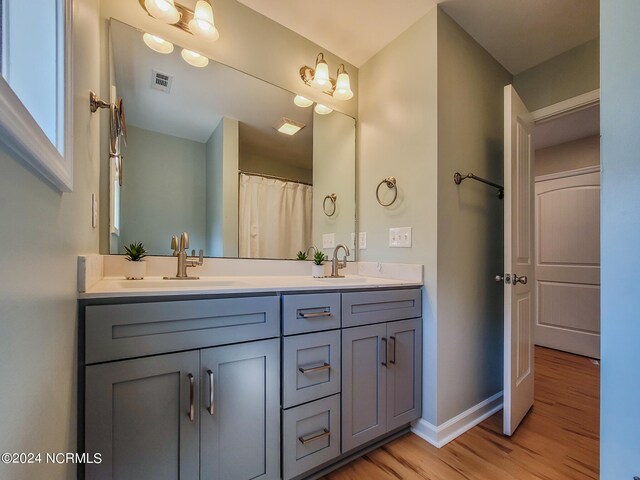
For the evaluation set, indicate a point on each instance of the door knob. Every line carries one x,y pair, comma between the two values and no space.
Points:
506,278
516,279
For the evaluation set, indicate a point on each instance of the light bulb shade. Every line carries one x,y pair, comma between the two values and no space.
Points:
202,24
343,87
194,59
321,76
164,10
301,101
322,109
157,44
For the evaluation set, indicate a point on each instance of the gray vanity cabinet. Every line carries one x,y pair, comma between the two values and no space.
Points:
240,414
381,379
137,416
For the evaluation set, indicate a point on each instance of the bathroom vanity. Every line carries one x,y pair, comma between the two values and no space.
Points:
241,383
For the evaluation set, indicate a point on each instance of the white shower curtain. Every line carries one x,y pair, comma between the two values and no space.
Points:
274,217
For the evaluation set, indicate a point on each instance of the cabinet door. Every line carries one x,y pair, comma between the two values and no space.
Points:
363,384
142,416
240,429
404,372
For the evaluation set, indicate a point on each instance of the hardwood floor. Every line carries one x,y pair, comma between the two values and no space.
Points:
559,438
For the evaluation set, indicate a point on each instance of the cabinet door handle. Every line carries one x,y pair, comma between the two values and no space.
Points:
324,366
393,339
211,405
316,436
384,340
191,413
316,314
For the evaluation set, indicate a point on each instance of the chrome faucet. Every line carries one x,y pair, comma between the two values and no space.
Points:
337,265
312,247
179,248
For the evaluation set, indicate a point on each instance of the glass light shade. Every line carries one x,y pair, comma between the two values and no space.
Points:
194,59
157,44
301,101
164,10
343,87
202,24
321,76
322,109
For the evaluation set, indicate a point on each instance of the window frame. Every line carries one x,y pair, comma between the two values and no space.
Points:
21,134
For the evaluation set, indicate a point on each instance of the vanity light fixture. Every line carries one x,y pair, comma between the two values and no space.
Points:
303,102
157,44
202,24
194,59
198,23
164,10
319,78
288,126
322,109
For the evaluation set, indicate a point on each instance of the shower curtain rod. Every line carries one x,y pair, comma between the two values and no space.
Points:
274,177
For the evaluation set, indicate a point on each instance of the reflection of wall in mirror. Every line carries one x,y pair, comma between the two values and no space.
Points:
163,193
334,143
254,162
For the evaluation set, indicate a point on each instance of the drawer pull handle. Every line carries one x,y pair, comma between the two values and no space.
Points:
191,413
317,436
211,405
393,339
324,366
316,314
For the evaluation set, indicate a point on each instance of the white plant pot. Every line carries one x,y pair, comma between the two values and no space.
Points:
317,271
135,270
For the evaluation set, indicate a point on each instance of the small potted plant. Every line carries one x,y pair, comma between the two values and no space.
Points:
136,267
317,269
301,255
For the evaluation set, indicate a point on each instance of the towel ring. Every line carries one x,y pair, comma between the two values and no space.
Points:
390,182
333,197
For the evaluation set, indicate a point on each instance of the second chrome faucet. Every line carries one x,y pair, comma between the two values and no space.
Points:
179,248
337,265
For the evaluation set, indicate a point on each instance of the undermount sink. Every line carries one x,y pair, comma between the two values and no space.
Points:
198,283
344,280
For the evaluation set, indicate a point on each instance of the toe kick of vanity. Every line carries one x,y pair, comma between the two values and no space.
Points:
271,386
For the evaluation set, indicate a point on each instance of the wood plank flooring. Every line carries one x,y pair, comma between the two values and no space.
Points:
559,438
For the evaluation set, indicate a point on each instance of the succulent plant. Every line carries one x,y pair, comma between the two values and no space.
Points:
135,252
319,258
301,255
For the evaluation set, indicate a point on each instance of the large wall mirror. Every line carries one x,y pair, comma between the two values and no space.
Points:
203,154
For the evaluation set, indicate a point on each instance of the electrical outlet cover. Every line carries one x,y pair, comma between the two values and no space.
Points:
362,240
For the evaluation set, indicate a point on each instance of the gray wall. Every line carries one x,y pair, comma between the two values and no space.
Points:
569,74
397,136
163,193
42,233
334,171
620,238
470,221
568,156
222,190
254,162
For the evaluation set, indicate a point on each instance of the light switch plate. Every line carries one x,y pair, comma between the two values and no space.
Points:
362,240
329,240
400,237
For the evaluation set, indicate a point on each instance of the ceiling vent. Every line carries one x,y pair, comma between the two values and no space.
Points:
161,81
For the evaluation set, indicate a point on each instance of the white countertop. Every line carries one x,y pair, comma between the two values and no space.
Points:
155,286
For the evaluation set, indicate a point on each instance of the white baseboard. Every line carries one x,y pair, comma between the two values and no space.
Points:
451,429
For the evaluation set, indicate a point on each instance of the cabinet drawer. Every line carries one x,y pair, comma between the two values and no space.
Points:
311,367
310,313
311,435
363,308
138,329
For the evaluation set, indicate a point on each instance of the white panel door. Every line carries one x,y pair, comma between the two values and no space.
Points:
519,253
568,263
